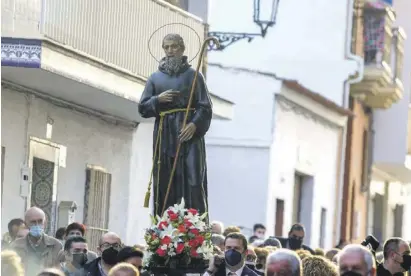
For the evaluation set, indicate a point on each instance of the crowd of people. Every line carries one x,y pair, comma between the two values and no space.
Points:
28,250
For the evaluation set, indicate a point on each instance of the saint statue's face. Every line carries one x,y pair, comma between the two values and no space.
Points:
172,48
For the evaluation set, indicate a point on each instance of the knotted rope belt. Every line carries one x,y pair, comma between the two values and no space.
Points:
157,150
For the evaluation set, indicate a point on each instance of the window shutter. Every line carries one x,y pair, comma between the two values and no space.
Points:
96,205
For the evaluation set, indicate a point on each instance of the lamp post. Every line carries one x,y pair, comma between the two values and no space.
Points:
228,38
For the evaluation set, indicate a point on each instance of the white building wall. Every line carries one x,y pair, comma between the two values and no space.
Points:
238,150
253,95
302,144
246,162
89,141
398,193
237,184
307,43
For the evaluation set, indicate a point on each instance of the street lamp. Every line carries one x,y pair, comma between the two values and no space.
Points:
228,38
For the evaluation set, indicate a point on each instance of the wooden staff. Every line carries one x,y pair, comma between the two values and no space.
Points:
190,100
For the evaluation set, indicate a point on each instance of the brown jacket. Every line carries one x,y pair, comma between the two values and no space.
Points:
45,256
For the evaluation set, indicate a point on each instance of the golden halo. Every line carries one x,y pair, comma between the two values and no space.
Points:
169,24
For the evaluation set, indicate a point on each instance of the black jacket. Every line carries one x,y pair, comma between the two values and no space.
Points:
284,242
246,271
381,271
92,269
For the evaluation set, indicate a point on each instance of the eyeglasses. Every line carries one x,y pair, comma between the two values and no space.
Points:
107,245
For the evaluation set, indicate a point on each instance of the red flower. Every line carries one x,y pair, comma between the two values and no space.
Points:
166,240
200,240
193,211
163,225
187,223
193,243
193,252
181,228
173,216
161,252
180,248
195,231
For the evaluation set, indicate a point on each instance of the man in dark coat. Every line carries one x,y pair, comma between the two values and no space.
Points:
165,98
233,261
295,239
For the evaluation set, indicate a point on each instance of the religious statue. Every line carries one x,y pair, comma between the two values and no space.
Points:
179,157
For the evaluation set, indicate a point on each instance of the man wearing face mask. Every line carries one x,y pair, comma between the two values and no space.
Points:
233,261
356,260
397,258
295,239
37,250
76,229
75,250
109,246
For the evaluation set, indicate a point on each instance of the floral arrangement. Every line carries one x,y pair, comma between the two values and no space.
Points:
180,235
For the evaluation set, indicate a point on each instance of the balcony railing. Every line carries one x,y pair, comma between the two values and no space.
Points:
117,32
383,58
377,35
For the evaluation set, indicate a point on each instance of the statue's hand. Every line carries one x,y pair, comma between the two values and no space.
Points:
168,96
187,133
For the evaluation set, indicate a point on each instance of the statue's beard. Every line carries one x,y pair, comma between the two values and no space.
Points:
172,65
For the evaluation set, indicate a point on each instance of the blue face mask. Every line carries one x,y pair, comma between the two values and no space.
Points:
233,258
36,230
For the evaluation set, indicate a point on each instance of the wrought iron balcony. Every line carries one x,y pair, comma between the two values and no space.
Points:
383,56
116,32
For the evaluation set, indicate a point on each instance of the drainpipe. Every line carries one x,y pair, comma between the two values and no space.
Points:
345,102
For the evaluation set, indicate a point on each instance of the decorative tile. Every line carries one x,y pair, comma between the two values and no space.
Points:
18,52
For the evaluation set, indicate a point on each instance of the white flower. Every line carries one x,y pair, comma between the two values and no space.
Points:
179,208
169,231
206,250
147,258
163,247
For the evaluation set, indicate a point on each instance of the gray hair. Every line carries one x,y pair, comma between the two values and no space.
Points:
217,239
286,255
219,223
356,248
392,245
272,242
177,38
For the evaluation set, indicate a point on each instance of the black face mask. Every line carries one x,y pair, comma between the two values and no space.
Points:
109,256
294,243
259,266
351,273
79,260
406,264
233,257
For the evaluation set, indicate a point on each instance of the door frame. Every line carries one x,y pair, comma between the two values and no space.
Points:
49,151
